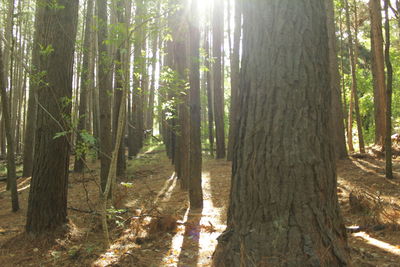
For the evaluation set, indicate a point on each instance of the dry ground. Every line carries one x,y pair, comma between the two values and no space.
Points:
152,225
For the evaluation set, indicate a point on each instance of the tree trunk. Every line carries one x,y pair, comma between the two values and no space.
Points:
284,209
104,73
235,78
85,85
218,34
119,85
337,111
378,70
150,109
30,128
389,86
11,169
210,108
195,163
137,96
47,206
353,58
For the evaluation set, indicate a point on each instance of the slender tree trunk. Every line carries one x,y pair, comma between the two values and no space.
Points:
85,85
150,109
235,78
378,70
218,34
11,169
284,208
337,111
389,86
104,73
195,190
47,206
210,101
353,59
137,96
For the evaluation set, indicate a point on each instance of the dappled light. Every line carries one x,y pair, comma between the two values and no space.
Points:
378,243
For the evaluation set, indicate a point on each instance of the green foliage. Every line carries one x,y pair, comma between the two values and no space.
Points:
46,50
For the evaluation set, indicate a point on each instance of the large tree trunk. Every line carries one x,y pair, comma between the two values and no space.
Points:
195,163
337,111
284,209
218,35
378,70
47,207
85,86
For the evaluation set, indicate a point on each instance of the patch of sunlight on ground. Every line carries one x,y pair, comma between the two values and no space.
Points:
210,217
380,244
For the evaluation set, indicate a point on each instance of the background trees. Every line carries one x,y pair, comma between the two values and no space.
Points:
172,68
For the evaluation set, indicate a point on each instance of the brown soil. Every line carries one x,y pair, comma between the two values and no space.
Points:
152,224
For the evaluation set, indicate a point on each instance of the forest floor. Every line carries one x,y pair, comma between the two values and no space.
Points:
151,224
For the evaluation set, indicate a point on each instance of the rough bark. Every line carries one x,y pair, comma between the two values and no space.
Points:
218,34
284,208
47,206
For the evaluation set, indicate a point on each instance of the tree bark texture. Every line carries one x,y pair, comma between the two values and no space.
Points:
47,206
284,208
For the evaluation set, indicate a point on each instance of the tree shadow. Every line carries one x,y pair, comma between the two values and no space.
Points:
190,248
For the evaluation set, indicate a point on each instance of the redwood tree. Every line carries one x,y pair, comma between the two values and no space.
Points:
218,34
56,29
284,208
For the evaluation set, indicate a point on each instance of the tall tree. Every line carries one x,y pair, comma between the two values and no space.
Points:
85,87
104,72
195,163
284,208
138,64
378,70
11,169
353,51
210,109
218,35
235,78
30,128
337,111
56,27
389,86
